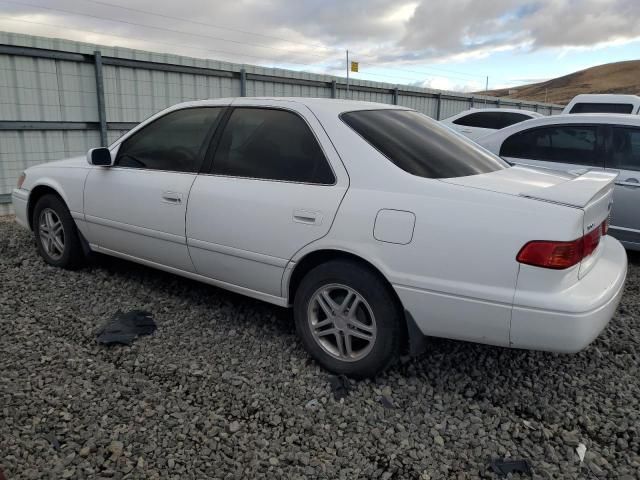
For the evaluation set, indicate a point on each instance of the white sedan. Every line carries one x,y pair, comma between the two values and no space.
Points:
478,122
375,223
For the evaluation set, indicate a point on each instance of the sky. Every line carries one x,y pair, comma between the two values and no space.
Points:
444,44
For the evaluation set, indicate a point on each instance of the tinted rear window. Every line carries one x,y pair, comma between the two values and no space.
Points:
493,120
602,108
420,145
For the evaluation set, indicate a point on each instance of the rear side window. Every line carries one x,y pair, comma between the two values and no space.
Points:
602,108
492,120
173,142
575,144
270,144
420,145
625,149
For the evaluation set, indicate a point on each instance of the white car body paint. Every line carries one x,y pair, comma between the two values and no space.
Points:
455,273
608,98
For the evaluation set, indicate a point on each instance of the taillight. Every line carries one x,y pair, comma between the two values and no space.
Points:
605,227
561,255
21,179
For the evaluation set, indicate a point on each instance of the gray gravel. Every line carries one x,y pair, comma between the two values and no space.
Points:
224,390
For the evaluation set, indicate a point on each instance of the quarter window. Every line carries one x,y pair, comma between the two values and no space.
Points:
270,144
574,144
173,142
625,149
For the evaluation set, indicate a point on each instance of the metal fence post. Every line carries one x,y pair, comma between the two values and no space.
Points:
102,112
395,96
471,102
438,106
334,89
243,83
498,103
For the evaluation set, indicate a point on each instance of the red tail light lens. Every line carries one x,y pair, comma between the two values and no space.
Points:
547,254
561,255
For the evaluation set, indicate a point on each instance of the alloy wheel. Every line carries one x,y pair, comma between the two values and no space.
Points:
342,322
51,233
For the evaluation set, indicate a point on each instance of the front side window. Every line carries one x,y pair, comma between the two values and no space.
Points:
492,120
173,142
421,146
270,144
575,144
625,149
602,108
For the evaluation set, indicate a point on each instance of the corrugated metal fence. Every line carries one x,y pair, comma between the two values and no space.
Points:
59,98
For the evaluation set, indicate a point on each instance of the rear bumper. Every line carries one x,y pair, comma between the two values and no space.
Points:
570,320
20,200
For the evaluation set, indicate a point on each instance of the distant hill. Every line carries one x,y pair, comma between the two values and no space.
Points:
618,77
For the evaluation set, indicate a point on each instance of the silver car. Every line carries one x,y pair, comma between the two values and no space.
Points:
608,142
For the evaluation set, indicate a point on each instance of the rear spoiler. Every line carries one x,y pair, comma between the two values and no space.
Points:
577,192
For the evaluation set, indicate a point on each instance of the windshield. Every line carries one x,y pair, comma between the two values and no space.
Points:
421,146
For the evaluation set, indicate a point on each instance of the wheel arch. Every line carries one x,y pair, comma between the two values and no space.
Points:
36,193
317,257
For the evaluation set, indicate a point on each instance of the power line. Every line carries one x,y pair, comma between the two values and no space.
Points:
126,22
128,37
183,19
215,38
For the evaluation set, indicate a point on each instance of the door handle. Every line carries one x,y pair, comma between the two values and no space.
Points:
308,217
173,198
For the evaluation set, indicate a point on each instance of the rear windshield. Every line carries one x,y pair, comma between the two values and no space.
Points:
493,120
420,145
602,108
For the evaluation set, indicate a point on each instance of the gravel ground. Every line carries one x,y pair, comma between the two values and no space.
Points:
224,390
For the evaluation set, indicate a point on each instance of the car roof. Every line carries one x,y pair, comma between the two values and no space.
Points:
605,98
327,105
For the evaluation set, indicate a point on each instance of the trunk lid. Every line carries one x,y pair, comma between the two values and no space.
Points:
590,191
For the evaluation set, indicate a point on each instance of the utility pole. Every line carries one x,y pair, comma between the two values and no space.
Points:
348,74
486,89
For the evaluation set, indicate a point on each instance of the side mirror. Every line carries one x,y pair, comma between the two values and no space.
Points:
100,157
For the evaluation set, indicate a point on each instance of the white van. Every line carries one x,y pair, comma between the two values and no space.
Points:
603,103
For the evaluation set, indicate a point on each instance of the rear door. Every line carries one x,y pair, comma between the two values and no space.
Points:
274,185
137,206
624,158
566,147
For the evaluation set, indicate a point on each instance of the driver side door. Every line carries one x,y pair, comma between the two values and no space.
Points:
136,208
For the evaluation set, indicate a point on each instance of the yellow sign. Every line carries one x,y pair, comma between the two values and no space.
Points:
354,66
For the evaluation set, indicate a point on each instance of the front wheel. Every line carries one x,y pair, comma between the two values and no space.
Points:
347,319
56,233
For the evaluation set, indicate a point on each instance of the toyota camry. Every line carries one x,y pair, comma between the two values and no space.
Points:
377,225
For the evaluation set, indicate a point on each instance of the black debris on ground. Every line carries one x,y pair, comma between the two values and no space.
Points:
124,328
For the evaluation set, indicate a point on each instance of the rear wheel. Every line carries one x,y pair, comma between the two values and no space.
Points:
56,233
347,319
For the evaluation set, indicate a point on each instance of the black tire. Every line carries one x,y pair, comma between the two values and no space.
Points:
72,255
377,296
